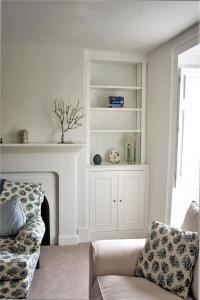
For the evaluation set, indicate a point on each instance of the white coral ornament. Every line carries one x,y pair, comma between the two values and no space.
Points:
114,157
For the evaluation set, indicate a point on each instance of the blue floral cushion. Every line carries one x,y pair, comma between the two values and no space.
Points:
12,217
168,258
31,195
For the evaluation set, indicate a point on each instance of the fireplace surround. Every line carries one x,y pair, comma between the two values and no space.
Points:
53,158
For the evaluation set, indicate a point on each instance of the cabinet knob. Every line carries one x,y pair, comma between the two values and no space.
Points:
120,200
114,201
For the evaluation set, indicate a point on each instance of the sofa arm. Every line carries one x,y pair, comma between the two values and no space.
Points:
30,236
117,257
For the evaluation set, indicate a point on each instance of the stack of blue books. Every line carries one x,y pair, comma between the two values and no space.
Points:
116,101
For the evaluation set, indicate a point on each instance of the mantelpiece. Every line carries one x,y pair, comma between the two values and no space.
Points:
41,147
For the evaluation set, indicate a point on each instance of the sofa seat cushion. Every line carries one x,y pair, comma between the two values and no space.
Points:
15,289
14,266
6,243
115,287
19,288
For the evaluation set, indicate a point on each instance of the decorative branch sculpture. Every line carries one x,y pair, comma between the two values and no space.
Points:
68,115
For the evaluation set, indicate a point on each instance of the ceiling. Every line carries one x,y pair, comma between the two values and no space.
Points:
105,25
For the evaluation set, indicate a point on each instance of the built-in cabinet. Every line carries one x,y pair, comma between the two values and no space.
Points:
117,200
117,193
131,200
103,201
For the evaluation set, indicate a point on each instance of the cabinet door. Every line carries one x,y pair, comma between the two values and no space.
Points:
103,201
131,200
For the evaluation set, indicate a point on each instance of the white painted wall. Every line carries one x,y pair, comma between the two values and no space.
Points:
33,76
161,114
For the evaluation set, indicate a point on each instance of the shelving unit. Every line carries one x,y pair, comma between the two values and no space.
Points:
109,128
114,130
115,109
117,193
115,87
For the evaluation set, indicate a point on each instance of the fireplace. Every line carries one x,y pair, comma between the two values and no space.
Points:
54,165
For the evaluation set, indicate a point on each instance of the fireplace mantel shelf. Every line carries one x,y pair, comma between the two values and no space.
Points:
41,147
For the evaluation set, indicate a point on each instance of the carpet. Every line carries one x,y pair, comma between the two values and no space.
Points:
63,274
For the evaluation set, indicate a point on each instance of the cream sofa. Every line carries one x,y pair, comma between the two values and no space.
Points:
113,262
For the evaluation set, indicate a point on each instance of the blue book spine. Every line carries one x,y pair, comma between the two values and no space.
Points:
116,102
113,98
116,105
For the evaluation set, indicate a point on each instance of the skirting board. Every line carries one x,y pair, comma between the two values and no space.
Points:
67,240
85,236
82,235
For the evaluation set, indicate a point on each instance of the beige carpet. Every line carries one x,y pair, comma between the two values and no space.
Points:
63,274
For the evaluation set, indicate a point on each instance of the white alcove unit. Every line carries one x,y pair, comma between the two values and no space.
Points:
118,201
117,193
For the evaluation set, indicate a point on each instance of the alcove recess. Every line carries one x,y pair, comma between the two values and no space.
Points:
110,128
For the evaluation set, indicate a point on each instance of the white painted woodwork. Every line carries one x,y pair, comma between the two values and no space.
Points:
109,128
115,109
162,121
41,147
107,166
115,130
131,200
115,87
188,145
117,193
103,201
117,202
38,160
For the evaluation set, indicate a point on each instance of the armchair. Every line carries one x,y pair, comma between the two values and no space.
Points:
19,255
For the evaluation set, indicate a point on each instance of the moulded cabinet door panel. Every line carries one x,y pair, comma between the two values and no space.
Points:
131,200
103,201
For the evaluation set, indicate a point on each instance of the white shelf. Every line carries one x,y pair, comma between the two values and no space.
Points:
115,109
120,166
107,127
41,147
116,87
115,130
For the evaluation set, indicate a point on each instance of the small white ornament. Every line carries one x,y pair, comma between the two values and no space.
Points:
114,157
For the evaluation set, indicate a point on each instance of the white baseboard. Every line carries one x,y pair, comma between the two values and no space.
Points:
82,235
120,234
67,240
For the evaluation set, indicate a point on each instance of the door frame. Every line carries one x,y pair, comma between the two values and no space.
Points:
178,48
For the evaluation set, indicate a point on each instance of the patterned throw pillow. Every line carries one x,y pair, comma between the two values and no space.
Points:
31,195
168,257
12,217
